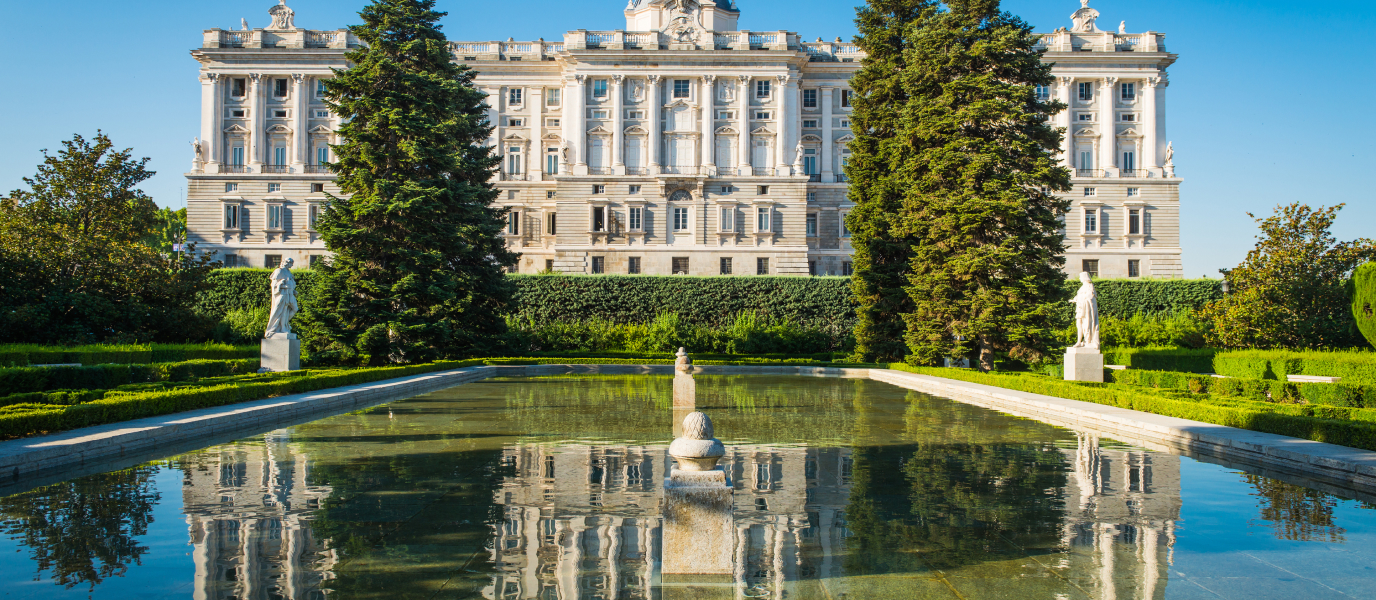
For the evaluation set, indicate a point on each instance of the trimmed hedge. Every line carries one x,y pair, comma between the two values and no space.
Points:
20,420
100,354
21,380
730,360
1262,390
1352,366
1162,359
817,301
1361,289
1353,427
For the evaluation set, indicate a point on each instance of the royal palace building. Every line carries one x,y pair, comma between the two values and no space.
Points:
682,144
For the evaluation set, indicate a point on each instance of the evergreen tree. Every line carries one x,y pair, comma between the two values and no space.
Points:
417,272
957,184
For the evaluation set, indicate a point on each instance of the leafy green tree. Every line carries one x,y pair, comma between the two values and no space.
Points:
955,188
418,265
1290,291
169,229
78,265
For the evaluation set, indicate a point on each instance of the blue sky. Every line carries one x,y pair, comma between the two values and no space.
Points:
1269,102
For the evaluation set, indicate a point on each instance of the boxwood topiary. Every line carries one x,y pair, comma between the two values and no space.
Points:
1362,290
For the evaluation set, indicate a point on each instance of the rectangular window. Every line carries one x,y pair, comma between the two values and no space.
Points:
279,114
274,188
680,219
319,87
726,218
238,87
1128,117
599,88
725,266
846,269
762,218
1129,92
811,267
1086,91
845,229
762,88
513,223
312,216
274,216
726,114
809,98
845,98
272,261
634,189
761,266
599,189
635,114
1086,161
279,156
1134,268
513,96
549,265
231,187
552,97
513,160
1091,220
679,265
812,196
599,218
1090,266
316,259
236,156
634,218
279,88
238,113
726,189
552,161
1134,221
599,265
682,88
598,114
551,194
1129,161
231,216
761,115
552,123
317,188
809,123
322,114
1132,192
552,228
810,162
762,190
812,224
633,265
844,124
1085,117
1089,191
322,156
1043,93
514,122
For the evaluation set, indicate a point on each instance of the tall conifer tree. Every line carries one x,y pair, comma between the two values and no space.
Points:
417,271
958,182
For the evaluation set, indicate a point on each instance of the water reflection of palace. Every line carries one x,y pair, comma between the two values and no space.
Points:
583,521
247,505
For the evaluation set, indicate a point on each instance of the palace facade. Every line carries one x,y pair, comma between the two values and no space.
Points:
682,144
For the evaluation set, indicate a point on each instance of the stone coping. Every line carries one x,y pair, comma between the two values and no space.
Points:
34,461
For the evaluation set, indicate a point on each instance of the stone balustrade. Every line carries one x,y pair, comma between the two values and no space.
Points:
339,39
1102,41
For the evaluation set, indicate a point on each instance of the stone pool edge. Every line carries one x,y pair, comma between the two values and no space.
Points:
1338,464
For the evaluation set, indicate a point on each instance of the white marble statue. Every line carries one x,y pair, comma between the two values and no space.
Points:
284,305
243,23
283,17
1085,18
698,449
1086,314
1170,160
200,152
798,158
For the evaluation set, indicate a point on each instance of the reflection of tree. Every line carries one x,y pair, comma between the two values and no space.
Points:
84,530
1294,512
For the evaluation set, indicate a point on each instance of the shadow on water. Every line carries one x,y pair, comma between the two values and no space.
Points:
534,488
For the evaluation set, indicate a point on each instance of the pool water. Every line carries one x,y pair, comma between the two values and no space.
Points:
551,488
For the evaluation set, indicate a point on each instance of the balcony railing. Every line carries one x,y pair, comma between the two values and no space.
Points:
276,169
234,169
599,170
814,178
1088,173
317,169
637,170
1133,172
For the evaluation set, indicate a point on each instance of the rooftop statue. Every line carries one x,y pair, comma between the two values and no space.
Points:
283,17
1084,19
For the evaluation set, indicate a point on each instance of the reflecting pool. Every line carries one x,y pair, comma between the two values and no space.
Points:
551,488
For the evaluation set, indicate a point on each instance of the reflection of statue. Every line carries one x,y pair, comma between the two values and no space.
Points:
1086,314
283,17
284,305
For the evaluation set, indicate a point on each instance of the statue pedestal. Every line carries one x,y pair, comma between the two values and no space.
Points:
699,526
685,391
1084,364
281,353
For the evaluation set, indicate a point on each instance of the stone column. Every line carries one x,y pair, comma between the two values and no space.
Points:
743,120
256,122
827,174
1148,124
212,121
300,138
578,101
1063,120
494,102
1108,139
781,116
535,159
566,127
618,125
708,106
794,113
653,108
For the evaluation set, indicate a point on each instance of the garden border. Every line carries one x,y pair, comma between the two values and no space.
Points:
1344,466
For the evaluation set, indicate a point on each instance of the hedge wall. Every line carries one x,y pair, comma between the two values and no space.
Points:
1261,390
101,377
101,354
816,301
1353,366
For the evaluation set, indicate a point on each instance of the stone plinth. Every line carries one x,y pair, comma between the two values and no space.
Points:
699,527
685,391
281,353
1084,364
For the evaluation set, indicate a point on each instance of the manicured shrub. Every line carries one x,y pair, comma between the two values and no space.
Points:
1352,366
39,379
1162,359
1124,298
1361,290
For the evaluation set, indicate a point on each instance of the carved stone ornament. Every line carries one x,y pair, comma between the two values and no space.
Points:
637,89
728,90
684,363
684,18
283,17
298,78
211,77
698,449
618,78
654,79
1084,19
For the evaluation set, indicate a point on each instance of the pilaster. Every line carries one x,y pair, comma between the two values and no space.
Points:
826,93
1063,120
256,113
708,102
654,109
618,126
743,119
535,164
212,121
781,115
578,106
299,118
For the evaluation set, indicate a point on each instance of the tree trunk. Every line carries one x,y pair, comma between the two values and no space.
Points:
986,355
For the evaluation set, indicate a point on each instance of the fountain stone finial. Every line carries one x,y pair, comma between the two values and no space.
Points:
697,450
683,364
